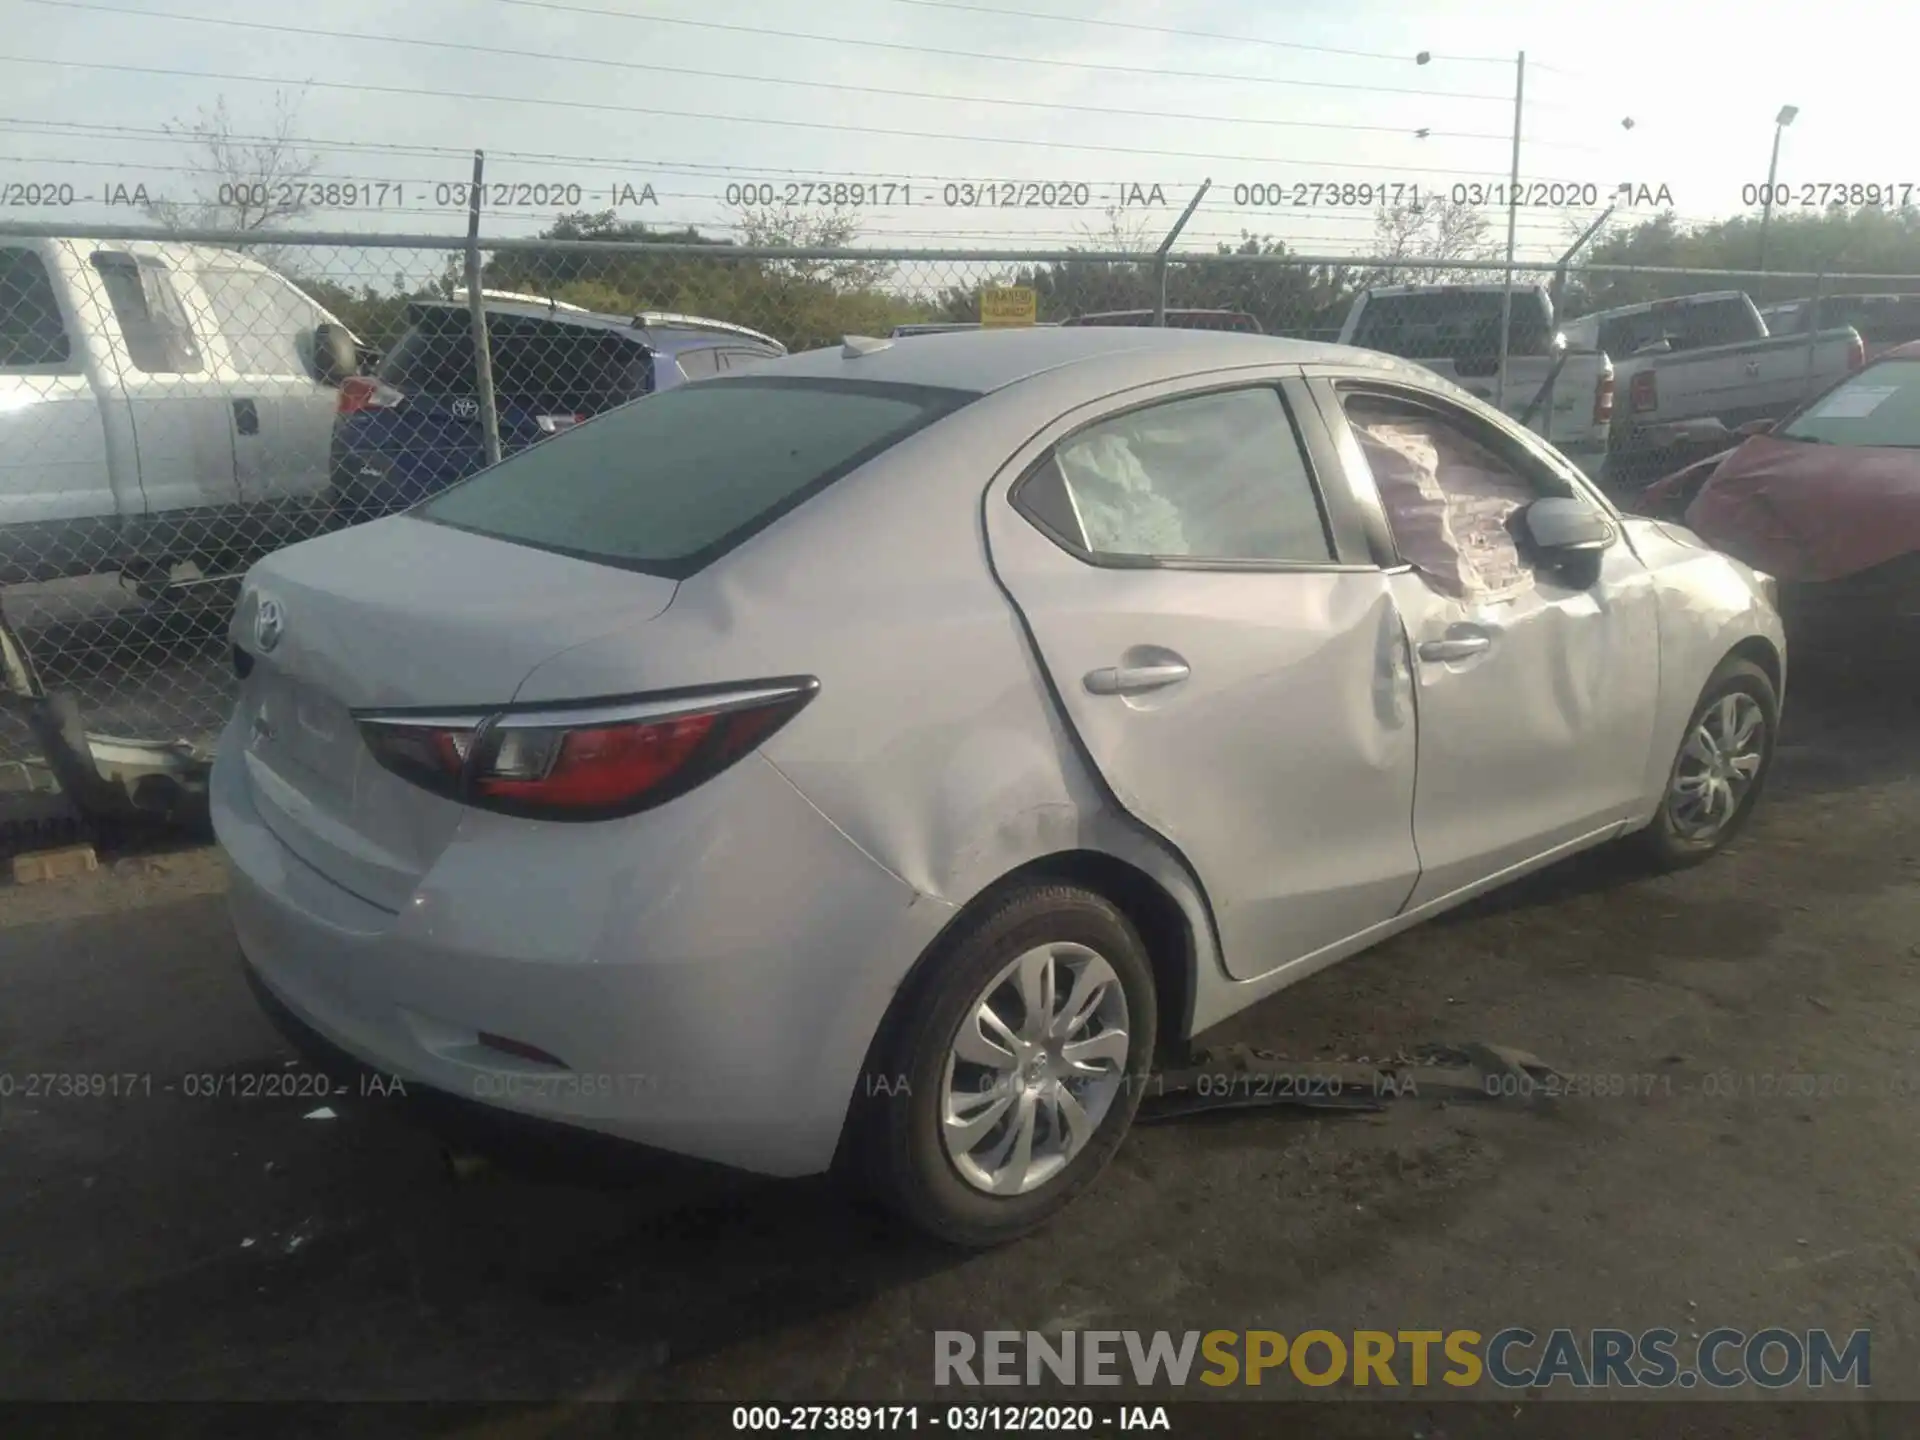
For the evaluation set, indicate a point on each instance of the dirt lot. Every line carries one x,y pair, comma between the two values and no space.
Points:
170,1245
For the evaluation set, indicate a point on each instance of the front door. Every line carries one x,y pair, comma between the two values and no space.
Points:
1240,689
182,426
1536,685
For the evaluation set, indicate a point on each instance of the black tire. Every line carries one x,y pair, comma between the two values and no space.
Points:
898,1146
1664,844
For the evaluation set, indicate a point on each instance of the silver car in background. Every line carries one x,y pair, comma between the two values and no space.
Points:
870,761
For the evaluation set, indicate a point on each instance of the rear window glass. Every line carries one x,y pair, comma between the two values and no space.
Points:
669,484
1878,406
536,364
1459,325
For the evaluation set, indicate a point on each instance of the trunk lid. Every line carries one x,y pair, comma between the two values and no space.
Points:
398,614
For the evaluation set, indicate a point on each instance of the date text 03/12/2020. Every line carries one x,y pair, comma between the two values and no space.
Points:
960,1419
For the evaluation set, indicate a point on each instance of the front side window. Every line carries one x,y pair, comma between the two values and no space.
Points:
31,330
265,321
1878,406
668,484
1452,493
1215,477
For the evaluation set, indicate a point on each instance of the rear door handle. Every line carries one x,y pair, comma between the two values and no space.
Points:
1135,679
1455,647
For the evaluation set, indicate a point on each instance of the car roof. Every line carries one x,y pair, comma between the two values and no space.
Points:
1470,287
1671,302
660,329
981,361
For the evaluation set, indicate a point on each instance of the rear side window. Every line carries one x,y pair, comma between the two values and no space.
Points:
1878,406
152,320
670,484
1215,477
698,364
31,331
536,364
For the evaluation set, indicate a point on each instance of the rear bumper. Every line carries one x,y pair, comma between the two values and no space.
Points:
711,979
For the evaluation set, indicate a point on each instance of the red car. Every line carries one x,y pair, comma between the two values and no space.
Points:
1827,500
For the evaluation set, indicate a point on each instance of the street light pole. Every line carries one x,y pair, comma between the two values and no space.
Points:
1780,123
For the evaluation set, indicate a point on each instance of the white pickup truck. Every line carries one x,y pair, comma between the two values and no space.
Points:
1562,392
1701,358
159,404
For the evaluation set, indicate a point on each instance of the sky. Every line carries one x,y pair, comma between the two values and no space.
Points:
1128,100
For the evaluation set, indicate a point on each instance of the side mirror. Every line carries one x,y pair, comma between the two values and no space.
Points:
1755,427
1561,526
336,356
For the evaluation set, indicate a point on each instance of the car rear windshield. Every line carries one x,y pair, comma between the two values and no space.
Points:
1452,325
1879,406
537,364
668,485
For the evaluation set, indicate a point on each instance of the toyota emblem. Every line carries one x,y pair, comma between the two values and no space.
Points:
269,623
465,409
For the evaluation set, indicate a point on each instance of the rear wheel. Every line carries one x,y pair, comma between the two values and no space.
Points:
1717,777
1015,1068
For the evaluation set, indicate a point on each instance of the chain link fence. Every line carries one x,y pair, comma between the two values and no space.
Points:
174,407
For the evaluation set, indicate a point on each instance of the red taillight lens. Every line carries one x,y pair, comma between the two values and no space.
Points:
1856,353
1603,401
1644,392
363,392
608,764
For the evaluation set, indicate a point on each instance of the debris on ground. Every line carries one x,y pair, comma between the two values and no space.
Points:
38,866
325,1112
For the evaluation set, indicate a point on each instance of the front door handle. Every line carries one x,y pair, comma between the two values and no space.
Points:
1135,679
246,417
1456,647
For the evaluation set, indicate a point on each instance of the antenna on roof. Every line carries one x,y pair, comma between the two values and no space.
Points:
852,347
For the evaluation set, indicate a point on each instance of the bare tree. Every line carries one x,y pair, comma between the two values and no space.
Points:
1434,230
247,182
1127,236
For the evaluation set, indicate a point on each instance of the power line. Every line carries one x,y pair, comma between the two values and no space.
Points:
1198,34
521,54
604,107
1002,59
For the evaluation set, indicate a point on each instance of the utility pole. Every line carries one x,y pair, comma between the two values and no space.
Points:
1513,223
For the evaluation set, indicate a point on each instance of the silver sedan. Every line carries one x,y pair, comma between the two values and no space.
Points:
873,760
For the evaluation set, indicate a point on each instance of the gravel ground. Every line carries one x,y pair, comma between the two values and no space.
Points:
161,1245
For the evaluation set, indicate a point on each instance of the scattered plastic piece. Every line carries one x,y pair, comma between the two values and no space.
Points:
325,1112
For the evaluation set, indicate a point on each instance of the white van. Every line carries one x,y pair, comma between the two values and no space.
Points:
159,403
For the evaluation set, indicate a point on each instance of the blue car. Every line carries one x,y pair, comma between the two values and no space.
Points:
412,428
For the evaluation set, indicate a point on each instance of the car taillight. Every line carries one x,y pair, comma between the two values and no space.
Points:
595,761
1603,401
1856,352
363,392
1644,393
554,424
